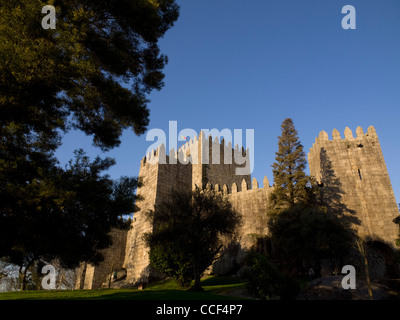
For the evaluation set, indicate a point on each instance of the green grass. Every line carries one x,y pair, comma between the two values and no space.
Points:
215,288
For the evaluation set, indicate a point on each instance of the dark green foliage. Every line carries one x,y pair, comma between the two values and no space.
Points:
188,231
66,215
92,73
308,234
74,73
292,185
307,223
173,263
161,291
266,281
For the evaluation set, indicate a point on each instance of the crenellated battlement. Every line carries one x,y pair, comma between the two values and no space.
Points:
225,189
348,135
354,171
350,169
199,150
348,141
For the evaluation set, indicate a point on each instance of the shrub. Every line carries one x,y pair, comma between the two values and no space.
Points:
266,282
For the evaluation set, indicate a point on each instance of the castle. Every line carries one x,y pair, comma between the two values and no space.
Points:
351,168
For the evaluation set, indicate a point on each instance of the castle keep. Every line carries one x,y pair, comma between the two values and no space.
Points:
356,168
351,171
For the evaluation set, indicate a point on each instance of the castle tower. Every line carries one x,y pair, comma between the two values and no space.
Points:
354,170
220,164
351,170
197,163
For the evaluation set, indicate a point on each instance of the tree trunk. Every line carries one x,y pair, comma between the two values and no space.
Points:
368,278
197,282
363,252
61,279
109,279
23,275
21,278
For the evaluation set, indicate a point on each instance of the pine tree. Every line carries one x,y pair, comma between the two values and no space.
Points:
302,229
292,185
92,73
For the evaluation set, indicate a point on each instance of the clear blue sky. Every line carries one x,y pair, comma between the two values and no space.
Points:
250,64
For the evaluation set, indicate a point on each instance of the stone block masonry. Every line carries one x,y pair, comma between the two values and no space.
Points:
357,166
352,172
94,277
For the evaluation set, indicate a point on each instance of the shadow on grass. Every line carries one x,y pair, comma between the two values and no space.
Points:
165,290
115,295
221,280
165,295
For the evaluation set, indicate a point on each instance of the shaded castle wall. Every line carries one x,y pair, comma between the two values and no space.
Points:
93,277
182,170
357,168
214,161
225,163
136,253
352,170
252,204
158,181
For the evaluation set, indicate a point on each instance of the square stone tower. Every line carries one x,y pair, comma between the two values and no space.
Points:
354,170
197,163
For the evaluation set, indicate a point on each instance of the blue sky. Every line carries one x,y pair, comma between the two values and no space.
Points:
250,64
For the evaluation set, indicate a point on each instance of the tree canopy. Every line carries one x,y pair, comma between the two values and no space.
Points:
291,184
66,215
92,72
188,232
307,235
305,223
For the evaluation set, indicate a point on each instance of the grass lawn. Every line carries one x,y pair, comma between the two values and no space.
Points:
215,288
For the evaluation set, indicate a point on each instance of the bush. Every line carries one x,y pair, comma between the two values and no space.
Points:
172,263
266,282
308,234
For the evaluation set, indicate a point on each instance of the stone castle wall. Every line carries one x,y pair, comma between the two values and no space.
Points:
182,170
93,277
356,168
158,181
351,169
